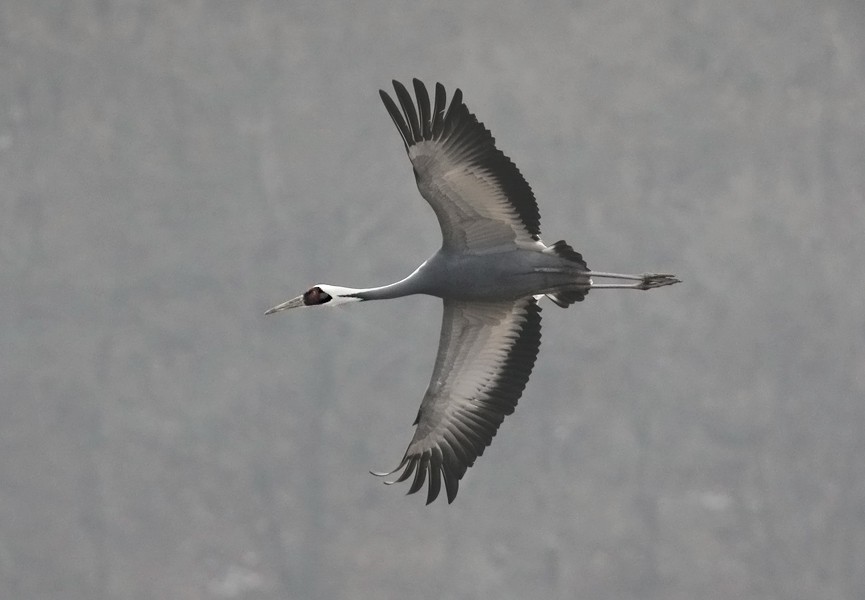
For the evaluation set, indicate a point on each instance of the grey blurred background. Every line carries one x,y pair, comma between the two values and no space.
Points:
171,168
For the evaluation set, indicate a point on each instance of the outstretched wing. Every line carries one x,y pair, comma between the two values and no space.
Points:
479,196
486,354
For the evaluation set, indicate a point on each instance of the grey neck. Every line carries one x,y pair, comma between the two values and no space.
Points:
404,287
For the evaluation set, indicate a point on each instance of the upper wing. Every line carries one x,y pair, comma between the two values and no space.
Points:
478,194
486,354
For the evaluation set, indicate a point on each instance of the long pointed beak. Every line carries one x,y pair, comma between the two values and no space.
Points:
293,303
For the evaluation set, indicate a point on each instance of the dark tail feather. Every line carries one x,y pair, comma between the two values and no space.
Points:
563,249
566,297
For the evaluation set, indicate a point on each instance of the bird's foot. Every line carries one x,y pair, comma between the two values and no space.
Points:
651,281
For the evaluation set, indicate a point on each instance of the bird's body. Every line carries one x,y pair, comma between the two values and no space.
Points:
490,272
503,274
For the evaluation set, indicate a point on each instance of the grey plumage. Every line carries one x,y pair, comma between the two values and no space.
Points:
490,272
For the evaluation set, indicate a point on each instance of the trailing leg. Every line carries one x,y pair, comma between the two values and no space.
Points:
646,281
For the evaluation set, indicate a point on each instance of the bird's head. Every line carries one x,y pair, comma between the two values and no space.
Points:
319,294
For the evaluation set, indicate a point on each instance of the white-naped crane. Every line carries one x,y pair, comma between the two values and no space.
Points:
490,272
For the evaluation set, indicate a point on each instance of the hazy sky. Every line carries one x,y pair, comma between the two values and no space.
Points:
172,168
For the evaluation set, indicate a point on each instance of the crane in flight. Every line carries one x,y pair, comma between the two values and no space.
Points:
490,272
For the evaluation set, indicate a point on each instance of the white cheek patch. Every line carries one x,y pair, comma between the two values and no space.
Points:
338,295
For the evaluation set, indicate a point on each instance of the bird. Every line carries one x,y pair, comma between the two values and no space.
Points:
491,271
